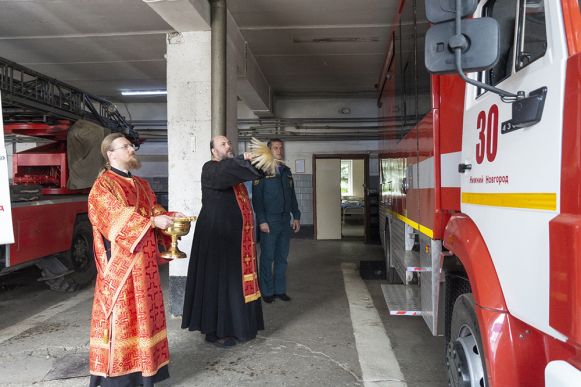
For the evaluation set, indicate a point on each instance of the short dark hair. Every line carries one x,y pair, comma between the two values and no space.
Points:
269,143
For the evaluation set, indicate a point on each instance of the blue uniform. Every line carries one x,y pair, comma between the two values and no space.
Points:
274,200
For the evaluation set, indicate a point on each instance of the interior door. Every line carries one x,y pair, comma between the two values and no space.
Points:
328,198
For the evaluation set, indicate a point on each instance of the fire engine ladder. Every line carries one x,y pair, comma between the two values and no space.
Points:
27,93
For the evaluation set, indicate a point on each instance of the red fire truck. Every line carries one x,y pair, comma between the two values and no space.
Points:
43,220
481,184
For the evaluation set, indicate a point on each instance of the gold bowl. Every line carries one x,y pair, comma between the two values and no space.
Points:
179,228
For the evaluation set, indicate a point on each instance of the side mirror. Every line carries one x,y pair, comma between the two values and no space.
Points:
462,46
438,11
481,51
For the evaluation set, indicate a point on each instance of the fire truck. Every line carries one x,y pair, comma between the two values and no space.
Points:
480,210
43,215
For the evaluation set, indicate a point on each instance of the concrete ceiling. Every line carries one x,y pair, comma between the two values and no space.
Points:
304,47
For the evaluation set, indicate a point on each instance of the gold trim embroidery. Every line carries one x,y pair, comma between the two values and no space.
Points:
142,342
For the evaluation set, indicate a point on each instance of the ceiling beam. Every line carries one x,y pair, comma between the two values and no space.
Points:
253,87
183,15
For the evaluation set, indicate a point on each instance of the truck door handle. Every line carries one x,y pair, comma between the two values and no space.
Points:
463,167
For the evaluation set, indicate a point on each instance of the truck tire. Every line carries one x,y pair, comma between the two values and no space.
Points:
61,284
81,256
79,259
464,355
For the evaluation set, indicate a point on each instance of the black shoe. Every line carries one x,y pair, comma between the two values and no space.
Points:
283,297
223,342
268,299
211,338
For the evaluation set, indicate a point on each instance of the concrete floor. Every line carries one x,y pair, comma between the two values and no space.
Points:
307,342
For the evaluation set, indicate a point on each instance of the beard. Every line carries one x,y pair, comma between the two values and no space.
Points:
224,155
133,163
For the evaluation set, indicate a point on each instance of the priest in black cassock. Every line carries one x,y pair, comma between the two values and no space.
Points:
222,298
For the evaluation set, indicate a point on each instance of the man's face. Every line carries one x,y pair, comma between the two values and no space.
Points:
122,154
222,148
277,150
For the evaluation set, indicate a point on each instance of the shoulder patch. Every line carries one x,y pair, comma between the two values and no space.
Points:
256,182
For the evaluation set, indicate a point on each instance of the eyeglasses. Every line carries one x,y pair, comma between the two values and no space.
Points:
126,147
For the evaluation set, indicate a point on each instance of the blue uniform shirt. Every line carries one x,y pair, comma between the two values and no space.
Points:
274,198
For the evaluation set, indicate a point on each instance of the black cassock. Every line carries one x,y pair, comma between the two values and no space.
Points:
214,302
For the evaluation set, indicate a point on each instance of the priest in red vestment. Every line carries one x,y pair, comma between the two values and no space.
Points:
128,337
222,298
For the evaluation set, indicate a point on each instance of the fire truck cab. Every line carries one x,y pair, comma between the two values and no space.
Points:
481,214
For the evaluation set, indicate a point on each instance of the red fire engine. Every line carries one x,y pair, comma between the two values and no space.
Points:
49,226
481,184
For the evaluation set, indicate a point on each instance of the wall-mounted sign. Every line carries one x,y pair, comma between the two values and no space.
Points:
6,231
300,166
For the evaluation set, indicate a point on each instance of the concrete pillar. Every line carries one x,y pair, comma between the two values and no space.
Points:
189,134
191,120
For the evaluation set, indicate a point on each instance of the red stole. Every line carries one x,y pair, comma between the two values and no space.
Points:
250,287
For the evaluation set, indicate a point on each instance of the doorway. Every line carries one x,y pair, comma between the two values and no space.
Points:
352,199
340,200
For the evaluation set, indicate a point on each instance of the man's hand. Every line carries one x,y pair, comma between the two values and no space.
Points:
162,221
248,155
296,225
264,228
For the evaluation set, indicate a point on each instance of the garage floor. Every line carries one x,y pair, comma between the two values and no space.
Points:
336,331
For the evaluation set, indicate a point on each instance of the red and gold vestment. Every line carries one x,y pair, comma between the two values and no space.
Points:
128,327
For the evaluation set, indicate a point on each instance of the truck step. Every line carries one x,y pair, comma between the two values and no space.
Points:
407,262
412,262
402,300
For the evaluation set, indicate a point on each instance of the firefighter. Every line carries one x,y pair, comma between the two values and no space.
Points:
274,200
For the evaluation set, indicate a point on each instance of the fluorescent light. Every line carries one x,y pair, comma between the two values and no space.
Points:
144,92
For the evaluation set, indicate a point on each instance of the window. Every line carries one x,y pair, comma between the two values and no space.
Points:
386,182
393,173
504,11
346,177
424,82
412,77
532,34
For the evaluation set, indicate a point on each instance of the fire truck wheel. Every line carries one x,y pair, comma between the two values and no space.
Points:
81,258
464,354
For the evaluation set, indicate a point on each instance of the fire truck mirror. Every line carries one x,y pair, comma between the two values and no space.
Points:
480,51
438,11
526,112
